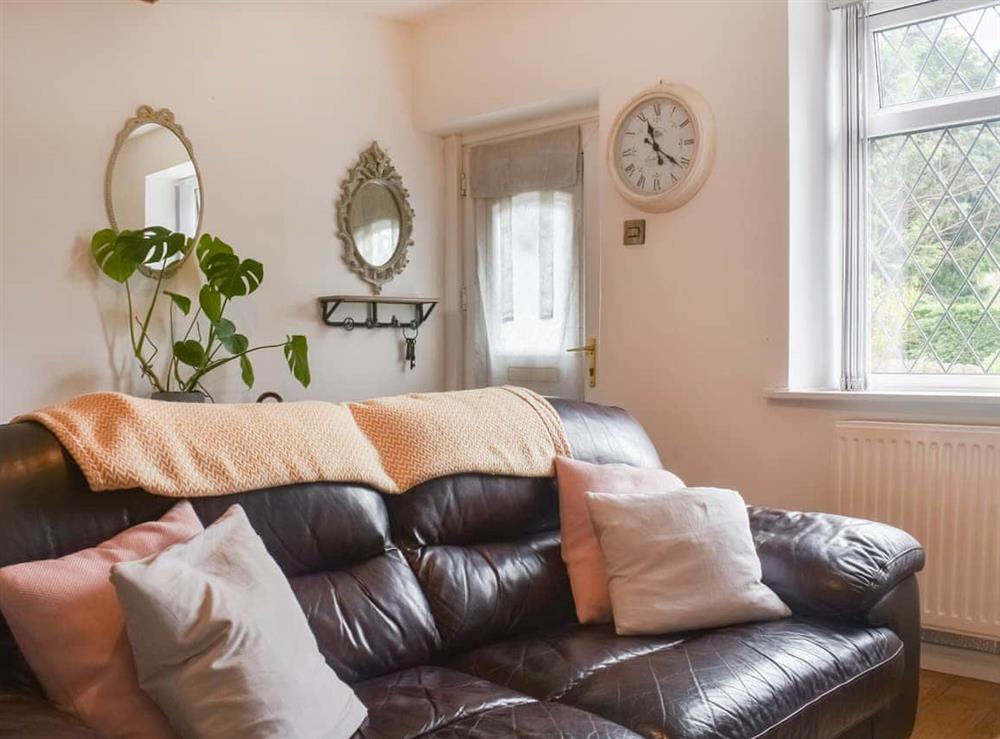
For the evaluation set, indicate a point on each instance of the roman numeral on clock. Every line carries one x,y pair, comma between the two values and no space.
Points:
629,152
641,182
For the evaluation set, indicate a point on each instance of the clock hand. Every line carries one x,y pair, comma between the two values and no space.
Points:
656,150
652,138
659,151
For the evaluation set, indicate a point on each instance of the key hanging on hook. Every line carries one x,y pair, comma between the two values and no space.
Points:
410,352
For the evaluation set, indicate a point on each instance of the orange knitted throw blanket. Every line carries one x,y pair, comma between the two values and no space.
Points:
390,444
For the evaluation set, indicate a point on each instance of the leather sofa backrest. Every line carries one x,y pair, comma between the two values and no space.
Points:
360,596
386,581
486,549
362,600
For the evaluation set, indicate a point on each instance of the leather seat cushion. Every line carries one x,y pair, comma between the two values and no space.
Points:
548,663
752,680
533,721
439,702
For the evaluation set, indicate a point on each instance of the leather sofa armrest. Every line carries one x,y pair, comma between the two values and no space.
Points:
24,716
828,565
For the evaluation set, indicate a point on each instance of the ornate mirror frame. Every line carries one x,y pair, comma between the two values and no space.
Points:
375,166
146,114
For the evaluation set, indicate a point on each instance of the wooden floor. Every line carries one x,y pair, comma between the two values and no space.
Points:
957,708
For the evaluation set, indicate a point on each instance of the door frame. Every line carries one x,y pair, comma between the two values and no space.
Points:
460,236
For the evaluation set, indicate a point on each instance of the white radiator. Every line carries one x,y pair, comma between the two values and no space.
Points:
941,483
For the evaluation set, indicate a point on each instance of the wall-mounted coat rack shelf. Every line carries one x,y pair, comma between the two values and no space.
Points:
422,308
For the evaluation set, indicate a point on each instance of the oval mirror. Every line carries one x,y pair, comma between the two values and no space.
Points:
374,219
153,180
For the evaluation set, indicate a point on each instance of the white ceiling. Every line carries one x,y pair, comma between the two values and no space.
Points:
402,10
408,11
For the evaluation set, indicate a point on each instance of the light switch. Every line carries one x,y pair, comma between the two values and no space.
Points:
635,232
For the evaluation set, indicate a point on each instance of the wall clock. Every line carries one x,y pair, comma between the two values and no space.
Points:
661,147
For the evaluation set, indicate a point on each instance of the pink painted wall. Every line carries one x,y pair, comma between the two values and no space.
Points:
694,325
278,100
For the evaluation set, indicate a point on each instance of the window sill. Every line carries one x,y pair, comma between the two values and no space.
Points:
909,398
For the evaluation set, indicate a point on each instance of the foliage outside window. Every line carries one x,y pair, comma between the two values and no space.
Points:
933,216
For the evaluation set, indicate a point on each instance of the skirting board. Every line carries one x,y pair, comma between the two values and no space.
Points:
961,662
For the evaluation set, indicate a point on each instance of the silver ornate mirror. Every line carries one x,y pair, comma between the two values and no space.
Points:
153,180
374,219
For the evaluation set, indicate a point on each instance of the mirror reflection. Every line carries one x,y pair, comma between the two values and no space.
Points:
154,183
375,221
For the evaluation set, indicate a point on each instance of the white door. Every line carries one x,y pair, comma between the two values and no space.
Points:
531,273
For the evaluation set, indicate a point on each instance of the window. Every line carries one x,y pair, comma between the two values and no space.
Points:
173,200
534,274
931,169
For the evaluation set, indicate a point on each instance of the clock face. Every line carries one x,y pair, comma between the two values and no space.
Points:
656,146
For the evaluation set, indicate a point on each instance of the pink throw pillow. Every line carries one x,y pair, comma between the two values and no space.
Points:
581,550
65,617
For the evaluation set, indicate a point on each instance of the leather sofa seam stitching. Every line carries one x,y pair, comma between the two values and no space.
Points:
888,563
883,572
824,694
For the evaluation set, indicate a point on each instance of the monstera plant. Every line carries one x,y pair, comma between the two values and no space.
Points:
205,340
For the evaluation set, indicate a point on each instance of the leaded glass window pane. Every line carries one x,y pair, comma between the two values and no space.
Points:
934,245
940,57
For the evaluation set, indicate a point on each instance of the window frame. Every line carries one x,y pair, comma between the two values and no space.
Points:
921,115
905,118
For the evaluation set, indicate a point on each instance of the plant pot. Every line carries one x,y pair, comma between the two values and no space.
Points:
175,396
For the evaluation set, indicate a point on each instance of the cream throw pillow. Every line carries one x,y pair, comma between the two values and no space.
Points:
222,645
681,560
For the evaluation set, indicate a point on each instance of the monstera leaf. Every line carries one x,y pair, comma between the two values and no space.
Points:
225,331
246,371
210,302
225,272
181,301
120,253
104,247
189,352
297,356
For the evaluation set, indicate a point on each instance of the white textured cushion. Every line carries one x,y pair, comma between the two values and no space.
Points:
222,645
681,560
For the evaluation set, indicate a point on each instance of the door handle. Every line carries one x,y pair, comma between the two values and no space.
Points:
590,349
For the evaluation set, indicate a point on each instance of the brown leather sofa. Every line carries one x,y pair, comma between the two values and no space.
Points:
449,610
